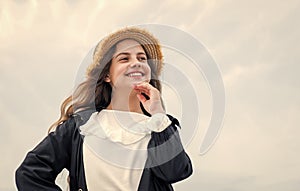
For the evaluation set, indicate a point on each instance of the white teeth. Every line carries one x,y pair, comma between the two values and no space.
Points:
135,74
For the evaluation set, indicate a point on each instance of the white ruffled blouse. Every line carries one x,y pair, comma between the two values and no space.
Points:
115,148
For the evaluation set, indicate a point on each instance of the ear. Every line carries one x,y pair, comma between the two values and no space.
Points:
107,78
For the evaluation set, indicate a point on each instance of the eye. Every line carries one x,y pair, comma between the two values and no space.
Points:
142,58
123,59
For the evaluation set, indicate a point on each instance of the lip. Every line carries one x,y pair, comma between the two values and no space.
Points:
135,74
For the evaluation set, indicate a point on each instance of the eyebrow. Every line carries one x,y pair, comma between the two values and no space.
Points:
127,53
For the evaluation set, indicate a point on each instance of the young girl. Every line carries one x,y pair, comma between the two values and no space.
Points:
113,132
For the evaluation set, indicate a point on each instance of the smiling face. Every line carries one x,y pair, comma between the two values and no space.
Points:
129,65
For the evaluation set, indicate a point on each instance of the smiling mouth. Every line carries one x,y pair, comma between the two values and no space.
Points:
135,74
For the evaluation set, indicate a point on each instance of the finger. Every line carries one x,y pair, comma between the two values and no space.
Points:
140,90
148,90
141,98
144,85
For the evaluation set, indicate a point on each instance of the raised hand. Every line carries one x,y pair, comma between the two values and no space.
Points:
152,103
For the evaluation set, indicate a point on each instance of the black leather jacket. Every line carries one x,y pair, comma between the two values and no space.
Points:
63,149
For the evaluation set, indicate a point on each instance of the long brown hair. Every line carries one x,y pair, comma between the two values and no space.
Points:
94,93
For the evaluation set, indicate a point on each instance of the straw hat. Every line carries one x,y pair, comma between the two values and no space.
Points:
150,44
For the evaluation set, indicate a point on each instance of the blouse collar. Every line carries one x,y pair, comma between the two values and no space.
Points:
117,126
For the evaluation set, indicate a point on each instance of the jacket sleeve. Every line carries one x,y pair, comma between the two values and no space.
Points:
167,159
40,167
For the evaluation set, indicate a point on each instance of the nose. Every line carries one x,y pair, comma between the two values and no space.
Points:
135,63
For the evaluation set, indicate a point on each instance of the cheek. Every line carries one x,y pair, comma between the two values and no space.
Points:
148,72
117,71
148,69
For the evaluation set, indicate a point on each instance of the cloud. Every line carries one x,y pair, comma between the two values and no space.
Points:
255,43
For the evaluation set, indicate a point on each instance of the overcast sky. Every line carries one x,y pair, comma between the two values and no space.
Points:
255,44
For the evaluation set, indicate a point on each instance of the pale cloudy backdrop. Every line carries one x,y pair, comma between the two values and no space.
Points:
255,43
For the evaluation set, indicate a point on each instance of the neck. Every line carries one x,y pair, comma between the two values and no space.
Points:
125,101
